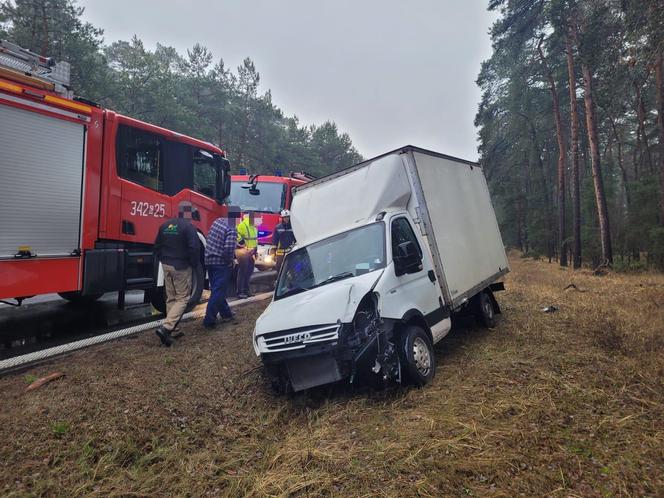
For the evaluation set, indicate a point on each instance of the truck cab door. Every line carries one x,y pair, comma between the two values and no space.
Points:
413,288
211,180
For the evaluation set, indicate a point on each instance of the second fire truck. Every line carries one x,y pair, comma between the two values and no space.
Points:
265,196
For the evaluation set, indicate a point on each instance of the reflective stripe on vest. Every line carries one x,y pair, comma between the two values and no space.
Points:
248,233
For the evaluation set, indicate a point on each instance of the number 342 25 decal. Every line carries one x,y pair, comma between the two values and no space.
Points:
147,209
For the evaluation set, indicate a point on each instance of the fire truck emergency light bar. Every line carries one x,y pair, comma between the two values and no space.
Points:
24,66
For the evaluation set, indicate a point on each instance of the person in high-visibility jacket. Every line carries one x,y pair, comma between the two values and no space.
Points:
247,241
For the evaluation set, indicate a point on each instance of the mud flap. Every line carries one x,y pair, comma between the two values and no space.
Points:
305,373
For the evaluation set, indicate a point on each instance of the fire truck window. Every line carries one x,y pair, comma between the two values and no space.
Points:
270,199
139,157
178,171
205,174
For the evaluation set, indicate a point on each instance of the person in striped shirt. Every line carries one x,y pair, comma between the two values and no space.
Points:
219,256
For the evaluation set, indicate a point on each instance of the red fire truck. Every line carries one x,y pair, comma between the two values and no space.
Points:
83,189
266,196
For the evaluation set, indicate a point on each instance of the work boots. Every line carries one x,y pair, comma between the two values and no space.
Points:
164,335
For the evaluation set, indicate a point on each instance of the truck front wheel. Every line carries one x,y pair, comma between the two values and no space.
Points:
158,294
419,361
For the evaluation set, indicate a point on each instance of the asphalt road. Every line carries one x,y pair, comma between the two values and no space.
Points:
48,320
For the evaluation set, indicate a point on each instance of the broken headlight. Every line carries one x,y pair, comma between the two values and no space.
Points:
366,321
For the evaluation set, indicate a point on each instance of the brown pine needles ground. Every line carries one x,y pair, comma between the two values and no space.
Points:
569,403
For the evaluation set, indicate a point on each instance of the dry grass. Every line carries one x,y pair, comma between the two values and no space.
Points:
569,403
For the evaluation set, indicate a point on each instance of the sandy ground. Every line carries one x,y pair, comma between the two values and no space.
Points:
569,403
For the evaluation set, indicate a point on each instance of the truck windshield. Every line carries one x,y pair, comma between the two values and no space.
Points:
346,255
270,198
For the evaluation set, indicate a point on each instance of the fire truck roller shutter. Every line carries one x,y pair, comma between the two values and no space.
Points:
41,160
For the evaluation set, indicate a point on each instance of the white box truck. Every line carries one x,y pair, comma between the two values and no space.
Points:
387,251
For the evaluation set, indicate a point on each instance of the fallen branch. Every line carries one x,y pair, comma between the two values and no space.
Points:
44,380
251,370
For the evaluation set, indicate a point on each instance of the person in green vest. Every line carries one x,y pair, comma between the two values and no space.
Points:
247,241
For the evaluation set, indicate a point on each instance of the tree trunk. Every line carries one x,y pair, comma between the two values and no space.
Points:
636,150
549,217
574,138
524,205
33,30
641,135
659,91
621,162
44,46
519,238
526,196
593,139
561,158
244,133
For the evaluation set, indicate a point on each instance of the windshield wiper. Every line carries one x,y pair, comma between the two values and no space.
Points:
257,211
290,292
334,278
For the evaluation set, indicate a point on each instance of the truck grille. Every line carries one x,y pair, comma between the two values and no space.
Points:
285,340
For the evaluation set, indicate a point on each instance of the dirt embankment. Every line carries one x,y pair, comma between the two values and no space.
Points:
569,403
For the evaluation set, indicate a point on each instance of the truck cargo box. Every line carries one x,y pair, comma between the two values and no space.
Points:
447,197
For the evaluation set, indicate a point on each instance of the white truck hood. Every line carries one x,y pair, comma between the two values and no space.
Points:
322,305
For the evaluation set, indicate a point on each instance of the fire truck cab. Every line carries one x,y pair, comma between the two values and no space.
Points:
84,190
265,196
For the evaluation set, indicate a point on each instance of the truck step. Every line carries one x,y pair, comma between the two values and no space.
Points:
138,283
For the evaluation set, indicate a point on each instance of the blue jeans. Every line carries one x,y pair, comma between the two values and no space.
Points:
219,279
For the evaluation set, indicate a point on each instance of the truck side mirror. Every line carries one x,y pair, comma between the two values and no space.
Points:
407,259
251,185
252,189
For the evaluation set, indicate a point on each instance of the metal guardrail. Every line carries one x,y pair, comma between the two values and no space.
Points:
25,360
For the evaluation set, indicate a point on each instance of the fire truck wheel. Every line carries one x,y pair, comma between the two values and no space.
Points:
158,294
76,297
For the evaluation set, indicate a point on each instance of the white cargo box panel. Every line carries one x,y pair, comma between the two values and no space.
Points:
458,212
352,196
41,168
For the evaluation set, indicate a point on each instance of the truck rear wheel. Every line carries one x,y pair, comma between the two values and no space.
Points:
418,358
484,311
158,294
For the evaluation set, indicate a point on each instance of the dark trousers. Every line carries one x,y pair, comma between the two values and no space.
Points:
219,280
245,260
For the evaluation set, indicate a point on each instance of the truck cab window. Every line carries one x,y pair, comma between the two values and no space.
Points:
402,232
139,157
206,174
270,198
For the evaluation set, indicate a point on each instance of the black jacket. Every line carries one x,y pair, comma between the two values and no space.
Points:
283,236
177,244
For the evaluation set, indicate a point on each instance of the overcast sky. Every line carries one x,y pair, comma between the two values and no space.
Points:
388,72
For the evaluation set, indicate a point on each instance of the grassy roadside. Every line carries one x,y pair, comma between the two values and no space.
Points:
569,403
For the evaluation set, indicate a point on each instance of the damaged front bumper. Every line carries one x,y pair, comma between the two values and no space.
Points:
301,364
352,353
